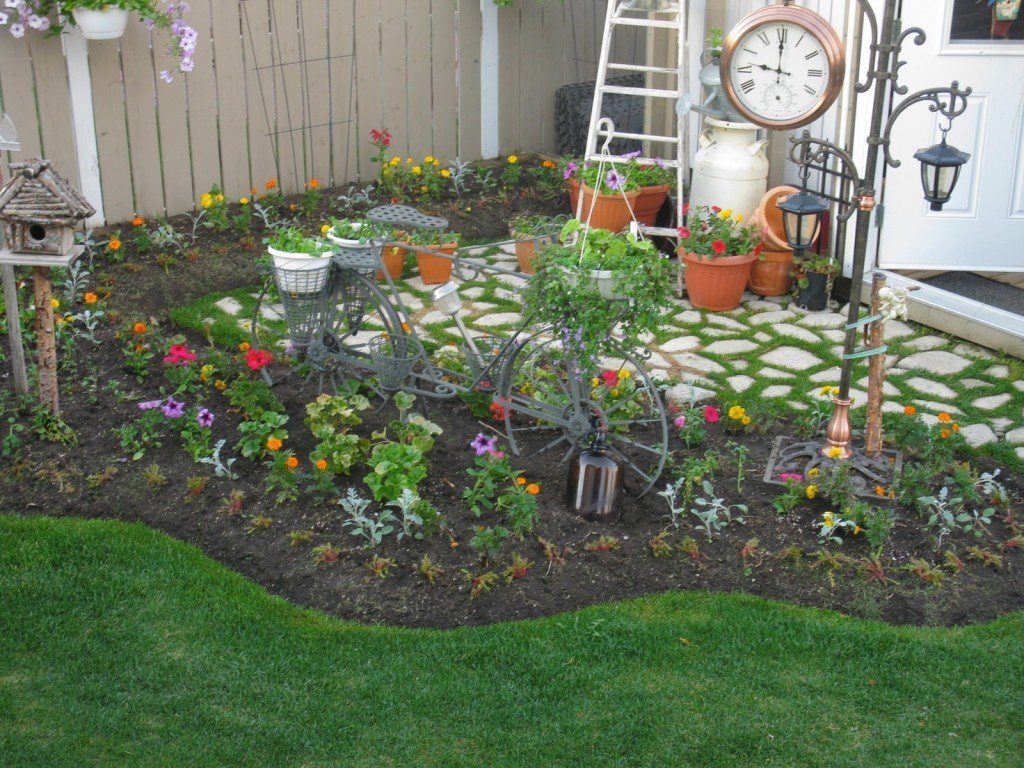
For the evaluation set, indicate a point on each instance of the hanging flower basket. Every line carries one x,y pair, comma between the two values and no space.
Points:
107,23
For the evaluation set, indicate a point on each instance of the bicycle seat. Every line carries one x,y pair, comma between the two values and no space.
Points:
405,216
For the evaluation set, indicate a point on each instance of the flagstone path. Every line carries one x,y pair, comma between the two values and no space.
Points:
771,350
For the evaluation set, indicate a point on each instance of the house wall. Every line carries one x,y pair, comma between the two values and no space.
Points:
290,89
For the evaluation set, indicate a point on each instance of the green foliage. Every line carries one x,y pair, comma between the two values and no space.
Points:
487,542
254,434
394,467
253,397
330,419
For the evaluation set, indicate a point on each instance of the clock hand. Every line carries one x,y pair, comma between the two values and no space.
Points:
772,69
778,70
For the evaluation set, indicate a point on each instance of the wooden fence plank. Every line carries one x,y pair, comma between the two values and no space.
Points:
393,74
19,96
176,154
289,99
342,92
444,84
417,82
315,78
110,106
535,86
260,92
51,85
369,72
143,136
509,20
234,121
202,112
470,26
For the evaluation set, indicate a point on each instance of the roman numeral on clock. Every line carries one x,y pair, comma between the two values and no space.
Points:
809,90
763,37
746,70
815,73
747,86
811,55
783,34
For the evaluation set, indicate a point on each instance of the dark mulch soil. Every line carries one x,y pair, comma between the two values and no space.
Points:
51,479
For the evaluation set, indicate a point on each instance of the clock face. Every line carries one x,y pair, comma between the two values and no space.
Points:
780,70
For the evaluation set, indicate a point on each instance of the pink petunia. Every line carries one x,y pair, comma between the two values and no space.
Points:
680,422
711,414
179,354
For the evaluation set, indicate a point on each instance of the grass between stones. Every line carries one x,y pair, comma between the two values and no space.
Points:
120,646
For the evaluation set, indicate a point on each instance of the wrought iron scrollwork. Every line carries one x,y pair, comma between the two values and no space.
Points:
950,109
807,152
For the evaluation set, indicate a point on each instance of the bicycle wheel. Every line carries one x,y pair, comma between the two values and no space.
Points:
547,407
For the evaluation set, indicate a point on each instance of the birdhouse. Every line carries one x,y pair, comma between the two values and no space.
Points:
39,210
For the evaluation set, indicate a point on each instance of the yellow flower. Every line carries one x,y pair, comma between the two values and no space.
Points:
243,200
825,390
726,214
220,198
829,519
445,173
811,491
408,161
745,420
856,530
416,170
436,162
513,159
220,385
813,472
835,452
55,303
594,382
325,228
423,188
205,373
624,374
736,412
395,161
429,159
615,392
739,217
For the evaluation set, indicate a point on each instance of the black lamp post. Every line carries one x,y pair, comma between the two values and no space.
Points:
939,172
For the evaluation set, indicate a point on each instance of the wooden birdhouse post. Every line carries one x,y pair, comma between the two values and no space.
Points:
39,211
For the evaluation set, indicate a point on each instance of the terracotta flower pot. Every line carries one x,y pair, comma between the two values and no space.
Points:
394,262
649,203
716,284
611,212
435,270
771,274
769,217
526,250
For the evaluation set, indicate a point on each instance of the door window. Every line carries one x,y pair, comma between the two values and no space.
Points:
986,21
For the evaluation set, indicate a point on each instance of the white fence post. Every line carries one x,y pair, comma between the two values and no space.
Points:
76,55
490,82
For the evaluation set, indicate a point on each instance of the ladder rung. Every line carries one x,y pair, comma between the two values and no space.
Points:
598,157
659,231
639,136
655,23
644,68
658,93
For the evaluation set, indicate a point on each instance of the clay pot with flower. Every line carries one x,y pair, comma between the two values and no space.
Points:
717,250
608,194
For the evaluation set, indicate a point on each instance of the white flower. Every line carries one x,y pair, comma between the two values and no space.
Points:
35,21
166,76
18,30
3,18
186,65
13,3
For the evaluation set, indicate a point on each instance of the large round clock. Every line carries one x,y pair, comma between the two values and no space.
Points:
782,66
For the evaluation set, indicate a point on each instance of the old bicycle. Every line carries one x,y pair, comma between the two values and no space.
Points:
333,320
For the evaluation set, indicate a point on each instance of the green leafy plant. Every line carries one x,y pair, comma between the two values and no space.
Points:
256,434
292,240
372,529
712,232
330,419
713,513
487,542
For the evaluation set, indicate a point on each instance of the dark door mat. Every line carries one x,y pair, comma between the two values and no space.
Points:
972,286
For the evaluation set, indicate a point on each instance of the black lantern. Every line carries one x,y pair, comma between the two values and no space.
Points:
801,217
940,169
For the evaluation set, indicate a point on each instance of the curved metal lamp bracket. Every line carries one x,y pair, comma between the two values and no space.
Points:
807,151
895,47
937,97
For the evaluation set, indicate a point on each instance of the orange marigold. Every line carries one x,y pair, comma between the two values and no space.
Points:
244,346
944,434
291,462
271,184
955,427
314,183
520,481
321,464
140,328
114,244
90,298
909,410
944,417
274,443
138,221
533,489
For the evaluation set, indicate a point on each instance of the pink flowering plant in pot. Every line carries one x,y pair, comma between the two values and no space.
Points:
712,233
52,16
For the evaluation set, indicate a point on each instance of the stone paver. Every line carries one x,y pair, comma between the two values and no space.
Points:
681,344
776,390
793,358
932,388
973,350
796,332
730,347
697,363
927,342
978,434
467,293
823,320
689,317
726,322
773,373
762,338
685,394
998,372
1015,435
229,305
498,318
771,318
933,406
743,383
936,361
992,401
974,383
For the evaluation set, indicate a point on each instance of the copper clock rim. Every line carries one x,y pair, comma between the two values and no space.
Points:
817,26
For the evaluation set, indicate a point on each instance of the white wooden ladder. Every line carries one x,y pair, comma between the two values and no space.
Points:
621,16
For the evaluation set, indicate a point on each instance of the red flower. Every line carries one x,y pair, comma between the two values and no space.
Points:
685,209
718,247
497,411
710,414
684,233
258,358
757,249
611,378
381,137
178,354
715,209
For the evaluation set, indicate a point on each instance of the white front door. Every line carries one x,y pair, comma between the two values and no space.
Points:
981,229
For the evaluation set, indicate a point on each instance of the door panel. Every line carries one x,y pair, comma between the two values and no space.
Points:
982,227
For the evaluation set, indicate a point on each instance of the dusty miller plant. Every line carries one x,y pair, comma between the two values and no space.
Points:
714,514
411,522
221,467
371,529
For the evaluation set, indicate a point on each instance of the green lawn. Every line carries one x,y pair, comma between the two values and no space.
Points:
122,647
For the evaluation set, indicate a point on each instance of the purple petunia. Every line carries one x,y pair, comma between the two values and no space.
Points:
173,409
570,169
614,179
483,444
204,418
148,405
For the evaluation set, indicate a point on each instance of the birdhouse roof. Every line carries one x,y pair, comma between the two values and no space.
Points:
36,194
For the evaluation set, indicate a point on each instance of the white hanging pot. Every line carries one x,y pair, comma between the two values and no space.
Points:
101,24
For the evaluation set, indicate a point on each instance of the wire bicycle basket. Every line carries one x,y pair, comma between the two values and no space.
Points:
302,293
393,357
